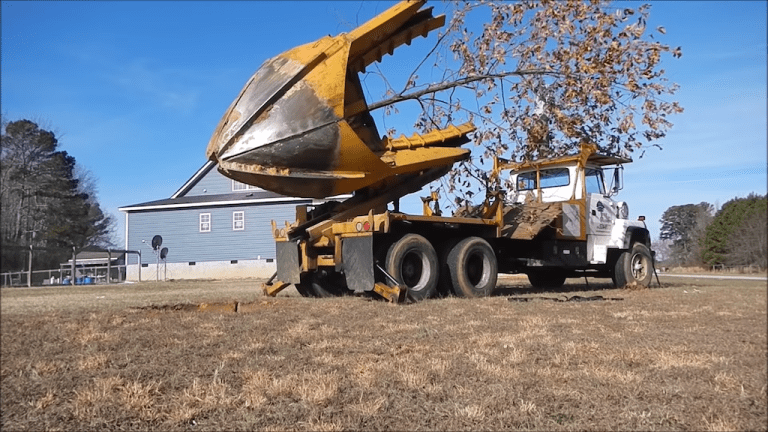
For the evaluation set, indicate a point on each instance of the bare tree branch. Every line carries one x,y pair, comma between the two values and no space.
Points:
541,76
434,88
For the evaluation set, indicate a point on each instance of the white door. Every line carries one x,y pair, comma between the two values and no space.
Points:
601,214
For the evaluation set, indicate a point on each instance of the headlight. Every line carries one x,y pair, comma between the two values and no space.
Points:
622,211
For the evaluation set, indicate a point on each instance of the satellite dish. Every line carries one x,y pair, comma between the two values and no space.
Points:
163,252
156,242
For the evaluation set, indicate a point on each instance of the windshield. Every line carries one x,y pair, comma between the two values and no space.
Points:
595,183
554,177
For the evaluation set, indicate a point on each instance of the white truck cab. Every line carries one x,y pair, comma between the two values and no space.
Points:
589,211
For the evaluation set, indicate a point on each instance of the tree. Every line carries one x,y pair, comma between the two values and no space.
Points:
663,250
42,204
685,225
104,224
738,233
25,151
748,244
541,76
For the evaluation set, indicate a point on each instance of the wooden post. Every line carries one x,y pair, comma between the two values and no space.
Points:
29,274
139,266
74,265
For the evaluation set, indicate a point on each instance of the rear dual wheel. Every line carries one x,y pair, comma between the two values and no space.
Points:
412,261
470,268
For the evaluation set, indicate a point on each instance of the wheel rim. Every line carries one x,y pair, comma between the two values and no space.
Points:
413,271
639,267
476,265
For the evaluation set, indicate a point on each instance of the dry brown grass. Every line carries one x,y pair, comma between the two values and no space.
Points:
690,356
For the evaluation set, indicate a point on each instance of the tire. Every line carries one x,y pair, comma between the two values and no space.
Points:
323,284
546,279
304,289
413,262
617,275
634,267
471,268
444,284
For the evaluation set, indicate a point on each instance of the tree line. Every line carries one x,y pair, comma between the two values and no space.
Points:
734,235
48,201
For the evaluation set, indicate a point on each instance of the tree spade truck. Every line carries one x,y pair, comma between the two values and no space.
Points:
301,127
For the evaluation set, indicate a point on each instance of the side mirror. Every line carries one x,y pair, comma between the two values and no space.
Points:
617,183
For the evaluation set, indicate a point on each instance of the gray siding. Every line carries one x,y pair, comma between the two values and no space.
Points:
180,229
213,183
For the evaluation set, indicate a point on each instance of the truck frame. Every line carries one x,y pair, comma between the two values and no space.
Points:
558,221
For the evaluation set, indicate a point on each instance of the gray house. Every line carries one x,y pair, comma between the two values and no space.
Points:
213,227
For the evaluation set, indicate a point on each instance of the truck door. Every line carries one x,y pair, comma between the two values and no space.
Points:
601,214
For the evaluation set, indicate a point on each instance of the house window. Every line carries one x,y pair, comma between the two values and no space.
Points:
238,186
205,222
238,220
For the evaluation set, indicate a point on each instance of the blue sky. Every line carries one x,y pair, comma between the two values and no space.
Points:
134,90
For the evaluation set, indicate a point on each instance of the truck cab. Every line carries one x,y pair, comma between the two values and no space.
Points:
584,186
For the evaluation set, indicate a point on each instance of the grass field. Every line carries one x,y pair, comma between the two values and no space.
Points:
689,356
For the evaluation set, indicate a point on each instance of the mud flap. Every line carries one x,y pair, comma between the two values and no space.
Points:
357,263
288,267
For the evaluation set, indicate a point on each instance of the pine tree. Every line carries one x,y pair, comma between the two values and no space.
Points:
685,225
737,235
43,206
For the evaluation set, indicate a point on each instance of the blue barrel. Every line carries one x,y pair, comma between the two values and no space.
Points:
87,280
66,281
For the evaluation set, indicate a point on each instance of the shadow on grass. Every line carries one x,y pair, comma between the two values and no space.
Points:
572,287
565,289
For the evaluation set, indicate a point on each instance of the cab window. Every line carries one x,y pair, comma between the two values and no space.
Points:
526,181
595,183
554,177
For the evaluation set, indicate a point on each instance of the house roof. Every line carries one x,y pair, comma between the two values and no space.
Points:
194,179
254,197
179,200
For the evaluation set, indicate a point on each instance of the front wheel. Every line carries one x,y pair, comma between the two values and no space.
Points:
471,268
413,262
634,267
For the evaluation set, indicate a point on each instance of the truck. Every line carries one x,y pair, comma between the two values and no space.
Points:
301,127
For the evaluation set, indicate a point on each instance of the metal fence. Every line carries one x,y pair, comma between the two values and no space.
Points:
747,269
84,275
